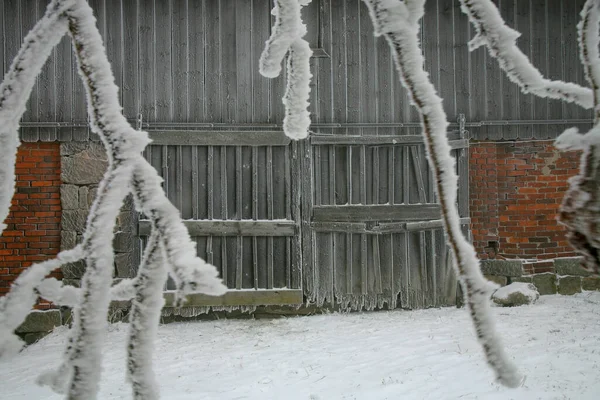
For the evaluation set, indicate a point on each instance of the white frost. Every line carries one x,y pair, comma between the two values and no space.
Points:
501,43
399,23
287,36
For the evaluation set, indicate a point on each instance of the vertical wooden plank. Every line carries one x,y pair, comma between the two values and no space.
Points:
405,175
554,30
130,44
243,59
321,95
196,47
353,91
180,56
477,84
391,175
224,183
163,27
210,182
229,59
196,183
296,192
25,17
183,169
461,55
147,60
239,214
445,52
509,90
339,62
539,53
212,60
270,215
524,26
47,86
255,216
64,88
493,95
259,33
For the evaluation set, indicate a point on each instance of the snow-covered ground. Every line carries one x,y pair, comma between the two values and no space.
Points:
428,354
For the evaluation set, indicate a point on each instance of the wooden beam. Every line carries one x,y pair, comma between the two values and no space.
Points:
261,297
364,213
371,140
365,140
231,228
346,227
219,138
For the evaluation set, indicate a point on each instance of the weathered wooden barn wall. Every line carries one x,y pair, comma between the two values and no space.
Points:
196,61
349,216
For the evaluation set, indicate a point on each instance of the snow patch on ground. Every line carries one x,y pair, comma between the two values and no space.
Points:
426,354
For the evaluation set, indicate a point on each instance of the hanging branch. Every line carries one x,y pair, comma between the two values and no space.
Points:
127,172
398,22
287,38
501,43
16,89
580,209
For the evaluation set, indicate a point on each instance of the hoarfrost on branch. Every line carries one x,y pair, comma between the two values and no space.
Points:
127,172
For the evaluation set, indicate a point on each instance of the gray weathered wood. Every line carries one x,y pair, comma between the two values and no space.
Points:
220,138
232,228
405,212
240,297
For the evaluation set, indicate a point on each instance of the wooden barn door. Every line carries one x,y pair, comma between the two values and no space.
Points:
374,223
239,199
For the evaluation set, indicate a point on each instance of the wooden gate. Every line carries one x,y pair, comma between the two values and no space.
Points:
238,196
373,237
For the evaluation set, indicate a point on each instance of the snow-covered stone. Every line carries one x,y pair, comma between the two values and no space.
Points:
516,294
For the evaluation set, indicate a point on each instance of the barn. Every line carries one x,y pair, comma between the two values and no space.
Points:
347,218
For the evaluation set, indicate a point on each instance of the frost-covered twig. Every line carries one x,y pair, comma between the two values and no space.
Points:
144,318
287,35
580,209
501,43
16,88
80,371
398,22
15,306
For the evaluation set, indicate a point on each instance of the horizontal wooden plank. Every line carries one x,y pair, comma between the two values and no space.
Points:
359,213
366,140
370,140
346,227
219,138
428,225
231,228
240,298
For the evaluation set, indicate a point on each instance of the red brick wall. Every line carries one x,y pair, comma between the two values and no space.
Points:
33,232
516,190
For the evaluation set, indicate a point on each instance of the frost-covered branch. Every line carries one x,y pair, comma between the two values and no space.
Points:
580,209
398,22
16,88
287,36
501,43
15,306
144,318
127,171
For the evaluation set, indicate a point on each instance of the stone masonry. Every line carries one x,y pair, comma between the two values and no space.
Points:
83,166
